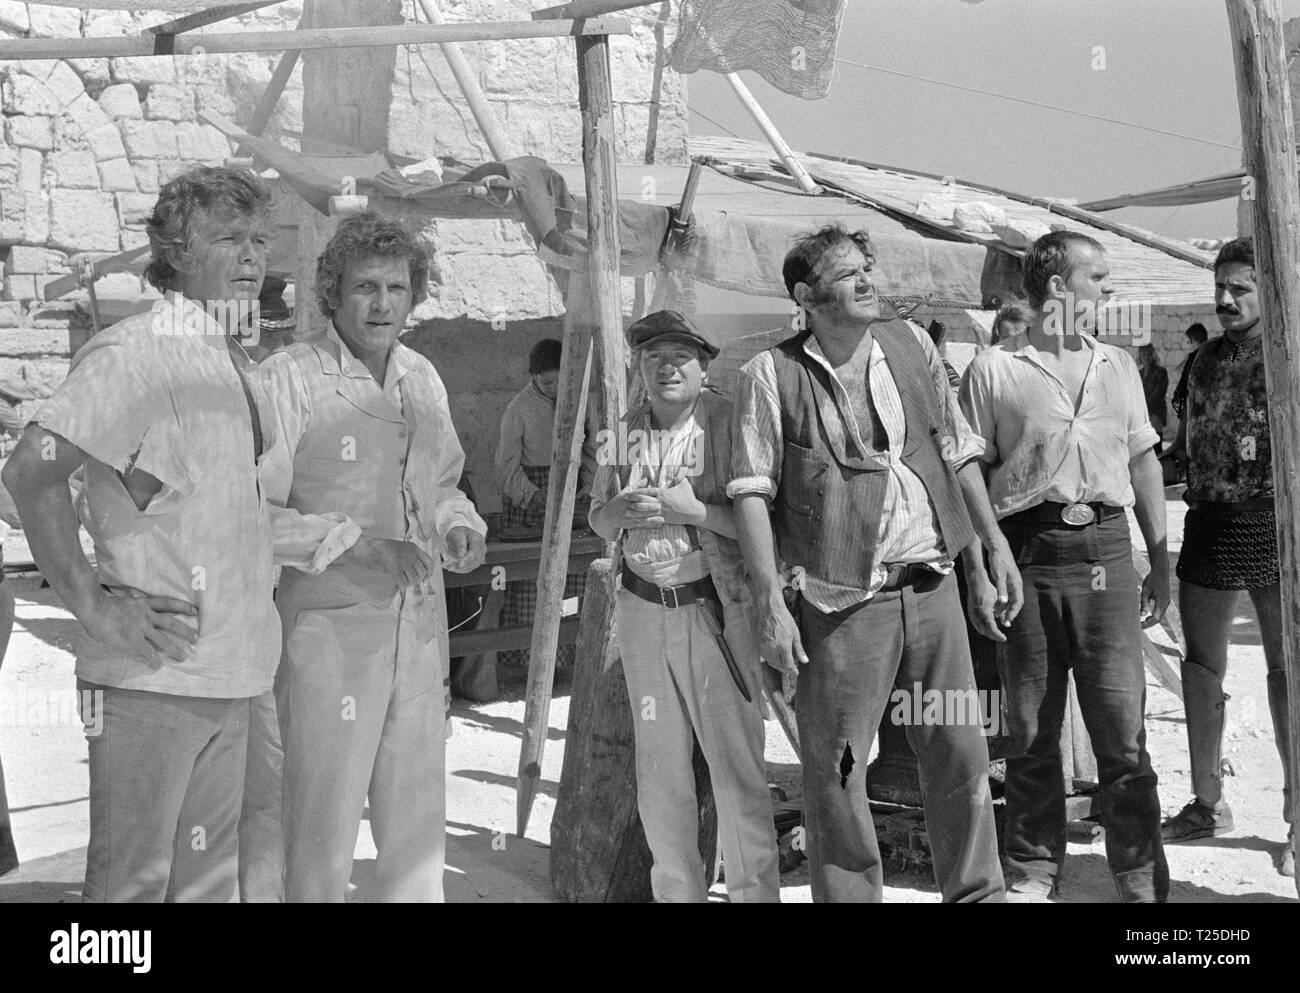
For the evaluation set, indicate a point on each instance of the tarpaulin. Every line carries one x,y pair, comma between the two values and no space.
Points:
790,43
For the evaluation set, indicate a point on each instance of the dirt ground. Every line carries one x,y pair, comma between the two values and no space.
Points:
44,755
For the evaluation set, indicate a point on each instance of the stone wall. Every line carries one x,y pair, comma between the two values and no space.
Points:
87,143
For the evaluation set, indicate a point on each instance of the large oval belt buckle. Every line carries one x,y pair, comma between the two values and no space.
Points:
1078,514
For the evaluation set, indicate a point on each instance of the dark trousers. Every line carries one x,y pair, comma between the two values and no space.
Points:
903,639
1080,612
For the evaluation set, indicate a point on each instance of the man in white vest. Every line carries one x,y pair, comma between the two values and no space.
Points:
365,431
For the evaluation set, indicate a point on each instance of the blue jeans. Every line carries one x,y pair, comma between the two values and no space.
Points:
1080,613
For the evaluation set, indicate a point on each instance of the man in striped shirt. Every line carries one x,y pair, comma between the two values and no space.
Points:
850,445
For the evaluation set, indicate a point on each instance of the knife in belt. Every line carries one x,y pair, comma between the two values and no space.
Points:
707,608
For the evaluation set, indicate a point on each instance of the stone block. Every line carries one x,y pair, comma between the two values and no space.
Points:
496,286
13,17
201,142
29,132
28,96
169,103
133,209
31,170
11,314
22,342
107,23
36,218
105,142
148,69
116,175
134,238
74,170
146,176
94,73
36,378
54,22
150,139
65,84
84,220
121,100
32,259
85,114
20,287
8,166
520,67
527,126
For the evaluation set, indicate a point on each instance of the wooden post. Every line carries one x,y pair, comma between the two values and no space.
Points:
779,144
596,98
484,117
656,83
598,848
1268,139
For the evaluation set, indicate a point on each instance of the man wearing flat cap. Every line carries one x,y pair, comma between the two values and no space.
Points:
685,621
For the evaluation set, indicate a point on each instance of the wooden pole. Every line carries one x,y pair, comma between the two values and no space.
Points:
271,96
596,98
782,149
656,84
484,116
204,17
1268,139
218,43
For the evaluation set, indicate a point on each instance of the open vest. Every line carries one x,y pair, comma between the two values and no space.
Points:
827,509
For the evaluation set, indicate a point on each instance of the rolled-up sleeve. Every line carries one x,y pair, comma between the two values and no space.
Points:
307,542
960,444
452,508
111,403
976,403
757,446
1141,435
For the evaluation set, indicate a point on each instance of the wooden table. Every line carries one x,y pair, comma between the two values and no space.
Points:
507,561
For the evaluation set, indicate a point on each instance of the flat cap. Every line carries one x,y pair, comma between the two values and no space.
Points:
670,324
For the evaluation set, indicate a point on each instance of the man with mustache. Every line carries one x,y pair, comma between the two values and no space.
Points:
1068,446
1229,542
850,442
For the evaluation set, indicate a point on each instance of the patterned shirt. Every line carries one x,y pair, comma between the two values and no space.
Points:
1229,448
1037,445
526,436
872,414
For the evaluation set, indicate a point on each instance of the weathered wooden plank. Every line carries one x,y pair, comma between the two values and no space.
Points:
1268,140
203,18
217,43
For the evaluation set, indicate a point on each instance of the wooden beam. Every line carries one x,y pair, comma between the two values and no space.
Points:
484,116
203,43
506,639
783,150
587,8
1268,140
596,99
271,96
203,18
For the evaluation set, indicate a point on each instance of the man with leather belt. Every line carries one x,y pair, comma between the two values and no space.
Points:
1067,447
1229,542
851,432
685,622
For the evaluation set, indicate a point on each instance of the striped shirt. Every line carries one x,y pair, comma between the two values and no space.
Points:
872,414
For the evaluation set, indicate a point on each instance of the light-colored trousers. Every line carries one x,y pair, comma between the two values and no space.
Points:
166,787
261,830
679,686
360,702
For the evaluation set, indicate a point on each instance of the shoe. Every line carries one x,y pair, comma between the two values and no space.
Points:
1197,820
1286,866
1028,885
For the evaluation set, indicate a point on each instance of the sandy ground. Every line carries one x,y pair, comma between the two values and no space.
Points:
43,749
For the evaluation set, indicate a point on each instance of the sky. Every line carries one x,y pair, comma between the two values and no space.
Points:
1167,65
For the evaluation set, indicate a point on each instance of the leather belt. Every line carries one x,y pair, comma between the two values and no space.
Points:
669,596
1237,507
1067,514
901,574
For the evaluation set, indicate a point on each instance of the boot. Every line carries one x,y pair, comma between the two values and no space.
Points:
1205,703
